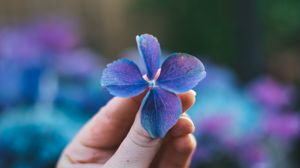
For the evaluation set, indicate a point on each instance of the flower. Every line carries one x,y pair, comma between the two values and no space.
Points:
272,95
161,107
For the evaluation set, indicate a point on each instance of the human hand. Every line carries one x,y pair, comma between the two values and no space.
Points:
114,138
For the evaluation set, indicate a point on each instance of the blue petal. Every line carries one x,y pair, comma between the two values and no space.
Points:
181,72
123,78
160,112
149,50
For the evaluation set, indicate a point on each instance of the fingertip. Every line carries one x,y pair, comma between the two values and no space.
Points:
186,144
187,99
183,126
193,92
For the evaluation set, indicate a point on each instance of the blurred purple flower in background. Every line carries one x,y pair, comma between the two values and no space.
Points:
48,89
30,51
284,126
272,95
79,63
56,34
17,45
243,121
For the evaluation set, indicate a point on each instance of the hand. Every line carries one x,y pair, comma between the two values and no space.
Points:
114,138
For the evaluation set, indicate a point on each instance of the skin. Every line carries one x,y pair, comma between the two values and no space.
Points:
114,137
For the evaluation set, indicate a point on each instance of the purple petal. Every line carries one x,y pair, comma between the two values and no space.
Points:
180,73
160,112
123,78
149,50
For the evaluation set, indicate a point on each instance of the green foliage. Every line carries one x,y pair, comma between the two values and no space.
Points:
211,27
197,27
281,22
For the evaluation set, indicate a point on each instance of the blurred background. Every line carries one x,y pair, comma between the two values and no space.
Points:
247,109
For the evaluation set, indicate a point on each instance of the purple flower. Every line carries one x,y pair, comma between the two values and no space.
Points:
282,126
272,95
161,107
80,62
56,34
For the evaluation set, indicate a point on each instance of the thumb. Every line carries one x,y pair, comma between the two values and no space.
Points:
137,150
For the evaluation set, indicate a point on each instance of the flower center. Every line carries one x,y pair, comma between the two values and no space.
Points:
152,83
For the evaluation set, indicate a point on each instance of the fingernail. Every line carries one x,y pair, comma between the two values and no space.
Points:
193,92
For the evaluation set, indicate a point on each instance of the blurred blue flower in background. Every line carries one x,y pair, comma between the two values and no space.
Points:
35,137
48,88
